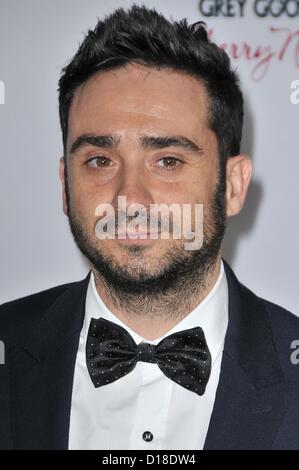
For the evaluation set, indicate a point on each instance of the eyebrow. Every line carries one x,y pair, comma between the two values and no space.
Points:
146,141
106,141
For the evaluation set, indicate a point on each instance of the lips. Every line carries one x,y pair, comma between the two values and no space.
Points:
137,232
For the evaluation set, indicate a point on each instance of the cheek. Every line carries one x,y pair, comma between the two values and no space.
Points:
87,195
199,188
208,183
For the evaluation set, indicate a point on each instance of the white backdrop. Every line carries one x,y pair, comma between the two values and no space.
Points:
37,37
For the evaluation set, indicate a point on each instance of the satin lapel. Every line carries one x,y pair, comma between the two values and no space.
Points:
250,398
42,373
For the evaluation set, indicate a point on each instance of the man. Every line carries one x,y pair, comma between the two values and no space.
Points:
160,346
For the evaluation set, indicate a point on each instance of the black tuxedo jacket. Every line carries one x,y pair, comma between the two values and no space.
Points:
257,399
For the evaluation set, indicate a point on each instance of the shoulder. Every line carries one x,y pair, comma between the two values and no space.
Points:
273,325
280,314
285,324
22,314
277,314
284,329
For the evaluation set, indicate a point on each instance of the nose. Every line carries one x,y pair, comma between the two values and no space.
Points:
134,184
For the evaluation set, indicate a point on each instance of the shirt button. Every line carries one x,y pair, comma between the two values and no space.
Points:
147,436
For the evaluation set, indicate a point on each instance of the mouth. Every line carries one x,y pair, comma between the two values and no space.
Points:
137,236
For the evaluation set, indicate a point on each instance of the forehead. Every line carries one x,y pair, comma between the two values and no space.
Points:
139,98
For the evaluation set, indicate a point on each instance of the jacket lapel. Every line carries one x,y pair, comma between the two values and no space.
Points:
42,373
249,403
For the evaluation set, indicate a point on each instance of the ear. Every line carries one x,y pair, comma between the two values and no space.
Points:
62,178
238,176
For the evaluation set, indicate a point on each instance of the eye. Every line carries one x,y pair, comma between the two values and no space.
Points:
171,163
99,162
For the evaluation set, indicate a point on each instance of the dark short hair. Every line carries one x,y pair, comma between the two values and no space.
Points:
144,36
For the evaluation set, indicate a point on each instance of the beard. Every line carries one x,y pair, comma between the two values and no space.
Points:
182,270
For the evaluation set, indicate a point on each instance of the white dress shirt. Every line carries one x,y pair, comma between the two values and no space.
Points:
116,415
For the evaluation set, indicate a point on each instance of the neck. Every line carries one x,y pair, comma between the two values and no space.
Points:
153,316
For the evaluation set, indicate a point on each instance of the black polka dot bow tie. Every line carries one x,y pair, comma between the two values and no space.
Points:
111,353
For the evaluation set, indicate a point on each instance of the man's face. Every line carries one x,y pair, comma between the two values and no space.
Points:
128,104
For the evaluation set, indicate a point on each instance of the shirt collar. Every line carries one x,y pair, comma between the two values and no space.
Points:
211,315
